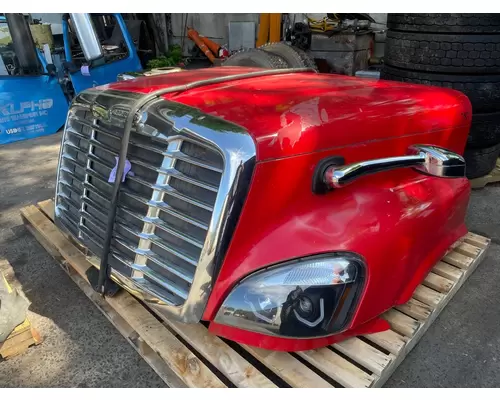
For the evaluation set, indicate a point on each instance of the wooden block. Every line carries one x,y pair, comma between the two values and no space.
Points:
15,339
364,354
338,368
401,323
47,207
231,364
447,271
438,283
468,250
389,340
427,295
458,260
415,309
22,337
17,349
288,368
477,240
157,363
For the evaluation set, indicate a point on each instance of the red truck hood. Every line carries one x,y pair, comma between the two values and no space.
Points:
299,113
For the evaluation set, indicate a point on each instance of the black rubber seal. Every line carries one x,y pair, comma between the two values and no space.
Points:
318,184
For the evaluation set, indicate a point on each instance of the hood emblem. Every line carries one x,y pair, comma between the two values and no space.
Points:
119,112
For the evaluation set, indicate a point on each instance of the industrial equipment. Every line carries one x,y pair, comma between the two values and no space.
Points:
34,92
286,208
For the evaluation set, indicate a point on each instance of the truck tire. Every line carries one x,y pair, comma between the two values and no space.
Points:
448,54
293,56
480,162
445,23
485,130
256,58
483,91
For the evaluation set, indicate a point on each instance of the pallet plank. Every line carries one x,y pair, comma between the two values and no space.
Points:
438,283
458,260
415,309
338,368
477,240
288,368
16,340
389,340
47,207
427,295
19,348
401,323
177,356
231,364
447,271
364,354
468,250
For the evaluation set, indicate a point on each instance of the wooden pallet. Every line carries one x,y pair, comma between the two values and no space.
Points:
188,355
492,177
24,335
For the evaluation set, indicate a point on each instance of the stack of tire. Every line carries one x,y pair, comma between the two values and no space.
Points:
458,51
272,55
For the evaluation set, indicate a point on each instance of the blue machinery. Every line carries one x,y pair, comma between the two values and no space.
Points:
34,99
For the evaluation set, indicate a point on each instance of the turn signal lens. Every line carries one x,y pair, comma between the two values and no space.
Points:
297,299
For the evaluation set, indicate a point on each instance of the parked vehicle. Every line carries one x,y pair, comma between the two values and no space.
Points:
35,93
288,209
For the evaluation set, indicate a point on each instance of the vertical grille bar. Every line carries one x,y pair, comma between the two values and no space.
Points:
148,230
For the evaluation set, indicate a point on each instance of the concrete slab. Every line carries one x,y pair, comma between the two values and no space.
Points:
82,349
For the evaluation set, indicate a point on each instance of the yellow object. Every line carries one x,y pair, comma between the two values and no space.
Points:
269,29
275,28
322,25
42,34
263,34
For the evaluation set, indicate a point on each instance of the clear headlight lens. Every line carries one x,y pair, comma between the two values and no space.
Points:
310,297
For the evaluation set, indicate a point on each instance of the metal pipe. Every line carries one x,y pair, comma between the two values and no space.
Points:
23,43
87,36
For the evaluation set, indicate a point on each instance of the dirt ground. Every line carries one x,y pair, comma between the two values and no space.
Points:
82,349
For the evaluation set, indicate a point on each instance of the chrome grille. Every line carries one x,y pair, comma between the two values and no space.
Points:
165,208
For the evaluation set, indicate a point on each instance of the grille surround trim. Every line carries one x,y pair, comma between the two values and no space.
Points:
238,152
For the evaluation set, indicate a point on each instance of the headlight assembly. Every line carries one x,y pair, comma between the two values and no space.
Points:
309,297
